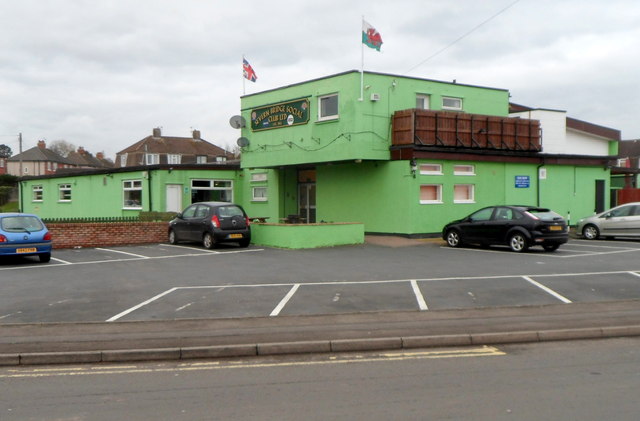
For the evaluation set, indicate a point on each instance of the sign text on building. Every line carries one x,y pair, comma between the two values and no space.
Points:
283,114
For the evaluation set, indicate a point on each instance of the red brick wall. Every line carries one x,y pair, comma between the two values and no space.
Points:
107,234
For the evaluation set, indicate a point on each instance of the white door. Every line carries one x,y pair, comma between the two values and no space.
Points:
174,198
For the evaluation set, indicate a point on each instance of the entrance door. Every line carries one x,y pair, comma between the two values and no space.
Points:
307,202
600,205
174,198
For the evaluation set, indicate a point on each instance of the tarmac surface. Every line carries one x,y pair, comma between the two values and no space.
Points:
66,343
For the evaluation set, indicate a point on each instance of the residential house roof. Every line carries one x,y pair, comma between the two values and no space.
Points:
83,158
40,153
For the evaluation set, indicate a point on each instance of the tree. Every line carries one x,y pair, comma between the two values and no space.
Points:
62,147
5,151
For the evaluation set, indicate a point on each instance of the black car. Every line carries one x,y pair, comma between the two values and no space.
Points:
518,227
211,223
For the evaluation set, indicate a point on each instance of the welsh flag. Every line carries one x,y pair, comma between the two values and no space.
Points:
370,37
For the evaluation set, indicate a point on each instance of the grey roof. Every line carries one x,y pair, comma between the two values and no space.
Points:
39,154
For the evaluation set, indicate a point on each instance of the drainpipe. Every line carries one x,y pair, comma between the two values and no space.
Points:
538,182
149,188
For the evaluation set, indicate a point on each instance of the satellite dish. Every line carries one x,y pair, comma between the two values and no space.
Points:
243,142
237,122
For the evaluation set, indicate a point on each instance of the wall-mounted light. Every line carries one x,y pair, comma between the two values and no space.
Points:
414,167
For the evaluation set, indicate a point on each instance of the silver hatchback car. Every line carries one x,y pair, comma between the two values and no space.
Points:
621,221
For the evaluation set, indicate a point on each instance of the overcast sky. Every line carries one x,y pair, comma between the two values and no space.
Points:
102,73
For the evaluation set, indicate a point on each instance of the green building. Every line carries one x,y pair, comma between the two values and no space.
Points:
400,155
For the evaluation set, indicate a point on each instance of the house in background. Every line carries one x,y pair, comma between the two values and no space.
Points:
3,166
37,161
82,158
625,172
158,149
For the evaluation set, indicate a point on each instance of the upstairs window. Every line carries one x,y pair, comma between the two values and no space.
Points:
152,159
174,158
123,160
449,103
328,107
430,169
464,170
201,159
422,102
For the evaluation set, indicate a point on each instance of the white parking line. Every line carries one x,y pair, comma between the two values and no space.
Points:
547,290
422,304
134,308
276,311
123,252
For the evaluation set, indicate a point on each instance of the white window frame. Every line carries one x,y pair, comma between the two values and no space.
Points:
221,158
1,162
37,193
214,184
128,186
436,170
201,159
174,158
470,196
123,160
451,107
438,198
464,169
259,194
326,117
62,196
426,101
152,158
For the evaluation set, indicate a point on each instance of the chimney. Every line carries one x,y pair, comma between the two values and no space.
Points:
157,132
196,135
42,144
100,156
81,150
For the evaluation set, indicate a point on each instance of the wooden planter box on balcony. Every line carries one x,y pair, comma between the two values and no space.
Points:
461,130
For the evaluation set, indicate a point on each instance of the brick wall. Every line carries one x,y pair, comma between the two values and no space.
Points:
107,234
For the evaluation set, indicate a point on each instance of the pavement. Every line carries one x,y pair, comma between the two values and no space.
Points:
76,343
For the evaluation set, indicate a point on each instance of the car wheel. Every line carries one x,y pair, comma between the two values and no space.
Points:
550,247
518,242
45,257
172,237
590,232
207,241
453,238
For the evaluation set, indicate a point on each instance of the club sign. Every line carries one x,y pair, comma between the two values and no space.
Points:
283,114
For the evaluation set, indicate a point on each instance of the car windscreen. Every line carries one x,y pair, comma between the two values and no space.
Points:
21,224
545,214
230,211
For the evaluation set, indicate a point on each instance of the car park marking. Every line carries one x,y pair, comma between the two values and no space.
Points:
61,261
276,311
422,304
134,308
554,255
123,252
547,290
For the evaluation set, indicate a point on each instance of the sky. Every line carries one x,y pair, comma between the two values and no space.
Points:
102,74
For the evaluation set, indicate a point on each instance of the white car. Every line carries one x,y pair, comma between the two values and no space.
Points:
621,221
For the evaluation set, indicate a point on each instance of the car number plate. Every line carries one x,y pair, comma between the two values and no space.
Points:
235,235
555,228
27,250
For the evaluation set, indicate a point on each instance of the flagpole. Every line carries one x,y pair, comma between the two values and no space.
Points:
361,62
243,78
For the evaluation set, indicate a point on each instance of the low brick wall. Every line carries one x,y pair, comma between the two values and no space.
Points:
107,234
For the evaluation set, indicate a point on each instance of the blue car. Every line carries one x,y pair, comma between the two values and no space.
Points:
23,234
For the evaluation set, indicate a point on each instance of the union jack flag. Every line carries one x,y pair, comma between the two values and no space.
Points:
247,71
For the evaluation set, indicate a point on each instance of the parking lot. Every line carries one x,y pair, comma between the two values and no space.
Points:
160,281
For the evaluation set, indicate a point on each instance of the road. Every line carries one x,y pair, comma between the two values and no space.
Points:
585,380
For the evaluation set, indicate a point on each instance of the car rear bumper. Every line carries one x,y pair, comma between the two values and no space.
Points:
10,249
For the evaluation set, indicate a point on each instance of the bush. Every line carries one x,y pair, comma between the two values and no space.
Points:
157,216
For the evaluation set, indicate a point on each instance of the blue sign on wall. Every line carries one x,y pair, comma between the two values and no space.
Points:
522,182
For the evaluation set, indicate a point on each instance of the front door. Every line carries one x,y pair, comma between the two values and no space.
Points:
307,195
174,198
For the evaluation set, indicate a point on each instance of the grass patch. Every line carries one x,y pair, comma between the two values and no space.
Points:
9,207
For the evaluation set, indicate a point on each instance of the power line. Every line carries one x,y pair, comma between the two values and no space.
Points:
463,36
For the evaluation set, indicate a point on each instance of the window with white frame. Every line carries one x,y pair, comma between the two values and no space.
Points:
450,103
1,162
463,193
221,158
201,159
174,158
431,169
328,107
132,194
211,190
123,160
152,158
464,170
422,101
430,193
259,194
64,192
36,193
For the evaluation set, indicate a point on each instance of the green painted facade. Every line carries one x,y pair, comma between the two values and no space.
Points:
341,169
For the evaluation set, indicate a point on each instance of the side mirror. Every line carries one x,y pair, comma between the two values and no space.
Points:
179,215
